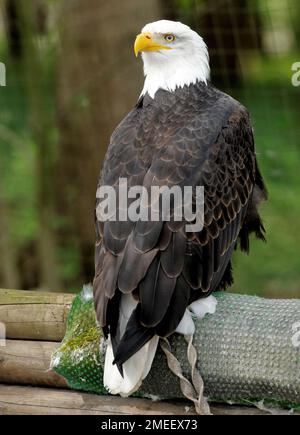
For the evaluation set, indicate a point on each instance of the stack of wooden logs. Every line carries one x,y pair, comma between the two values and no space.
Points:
35,324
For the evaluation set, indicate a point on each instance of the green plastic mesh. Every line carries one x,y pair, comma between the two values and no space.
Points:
79,359
247,352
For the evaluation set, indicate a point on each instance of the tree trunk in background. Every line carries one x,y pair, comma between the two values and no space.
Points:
99,82
13,29
229,27
42,128
9,272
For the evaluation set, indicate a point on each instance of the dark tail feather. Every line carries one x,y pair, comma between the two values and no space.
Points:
135,337
253,226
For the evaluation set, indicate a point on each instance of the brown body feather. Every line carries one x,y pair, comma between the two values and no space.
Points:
196,136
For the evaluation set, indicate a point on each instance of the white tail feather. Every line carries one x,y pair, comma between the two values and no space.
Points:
136,368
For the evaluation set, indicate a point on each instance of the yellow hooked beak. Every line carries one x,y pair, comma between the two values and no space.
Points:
145,42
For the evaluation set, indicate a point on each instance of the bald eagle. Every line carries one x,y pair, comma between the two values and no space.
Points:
150,276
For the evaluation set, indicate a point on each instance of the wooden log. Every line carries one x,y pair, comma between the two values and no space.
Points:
27,363
34,315
44,401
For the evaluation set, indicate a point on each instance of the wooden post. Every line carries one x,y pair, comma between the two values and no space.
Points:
27,363
44,401
34,315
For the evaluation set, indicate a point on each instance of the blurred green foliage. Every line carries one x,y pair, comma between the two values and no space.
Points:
17,156
273,269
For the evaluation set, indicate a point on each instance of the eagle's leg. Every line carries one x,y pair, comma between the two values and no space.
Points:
204,306
197,309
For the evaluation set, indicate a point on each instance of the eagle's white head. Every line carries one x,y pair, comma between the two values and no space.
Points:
173,55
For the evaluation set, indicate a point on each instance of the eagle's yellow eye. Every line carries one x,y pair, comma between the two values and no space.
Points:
170,38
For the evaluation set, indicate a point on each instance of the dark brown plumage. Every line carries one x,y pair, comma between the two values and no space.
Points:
195,136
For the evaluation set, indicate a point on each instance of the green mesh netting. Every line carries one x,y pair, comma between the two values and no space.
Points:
247,352
79,358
